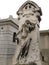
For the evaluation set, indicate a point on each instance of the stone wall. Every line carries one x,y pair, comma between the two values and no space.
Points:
7,46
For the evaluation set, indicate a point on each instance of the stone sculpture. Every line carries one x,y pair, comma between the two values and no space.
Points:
27,28
28,35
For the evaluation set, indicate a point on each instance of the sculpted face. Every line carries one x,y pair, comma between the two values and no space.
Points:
27,24
27,27
26,18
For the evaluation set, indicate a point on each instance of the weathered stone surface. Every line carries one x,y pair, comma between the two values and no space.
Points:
27,49
7,46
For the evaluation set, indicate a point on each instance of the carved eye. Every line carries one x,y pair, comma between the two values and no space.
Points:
29,6
32,14
26,7
19,18
30,23
27,21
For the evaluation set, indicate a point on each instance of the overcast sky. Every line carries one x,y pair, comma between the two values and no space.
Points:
10,7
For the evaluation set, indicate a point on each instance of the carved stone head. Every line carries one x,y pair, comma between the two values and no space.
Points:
28,13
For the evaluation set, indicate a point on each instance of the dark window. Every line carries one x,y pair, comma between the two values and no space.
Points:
42,58
1,27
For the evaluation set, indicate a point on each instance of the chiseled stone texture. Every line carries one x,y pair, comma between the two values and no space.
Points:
29,11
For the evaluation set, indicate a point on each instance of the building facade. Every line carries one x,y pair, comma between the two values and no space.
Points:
7,46
44,45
